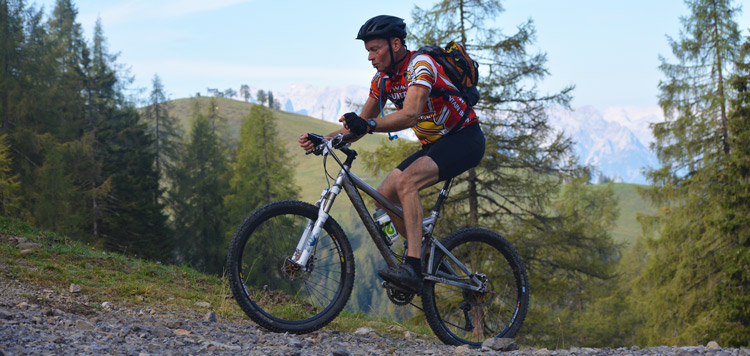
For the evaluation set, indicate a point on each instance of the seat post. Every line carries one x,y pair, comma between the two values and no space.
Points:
443,195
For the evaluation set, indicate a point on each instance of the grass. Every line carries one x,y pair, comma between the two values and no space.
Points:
127,281
627,227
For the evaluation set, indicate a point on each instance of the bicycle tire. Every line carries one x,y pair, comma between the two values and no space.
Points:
268,291
497,313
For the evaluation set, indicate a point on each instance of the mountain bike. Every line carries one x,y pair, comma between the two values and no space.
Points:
291,267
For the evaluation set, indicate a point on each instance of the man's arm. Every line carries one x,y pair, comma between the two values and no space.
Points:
416,98
369,110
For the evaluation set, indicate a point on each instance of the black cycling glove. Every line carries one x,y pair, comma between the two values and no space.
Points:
356,124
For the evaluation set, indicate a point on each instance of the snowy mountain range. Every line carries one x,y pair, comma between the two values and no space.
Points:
615,141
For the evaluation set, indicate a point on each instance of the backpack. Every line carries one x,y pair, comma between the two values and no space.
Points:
461,70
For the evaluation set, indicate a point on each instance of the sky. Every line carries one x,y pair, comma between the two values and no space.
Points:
608,49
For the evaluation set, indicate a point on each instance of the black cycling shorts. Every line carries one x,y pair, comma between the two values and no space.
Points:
454,154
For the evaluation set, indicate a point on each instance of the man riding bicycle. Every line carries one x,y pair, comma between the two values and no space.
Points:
406,79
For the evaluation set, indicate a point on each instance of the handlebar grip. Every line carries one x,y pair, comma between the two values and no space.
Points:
349,137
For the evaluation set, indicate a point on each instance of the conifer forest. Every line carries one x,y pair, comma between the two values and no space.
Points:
83,156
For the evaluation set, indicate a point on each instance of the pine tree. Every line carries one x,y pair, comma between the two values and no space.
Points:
55,191
572,259
10,187
11,28
263,171
262,97
135,222
99,89
218,123
733,189
695,277
67,53
245,92
200,183
25,84
25,104
165,129
56,125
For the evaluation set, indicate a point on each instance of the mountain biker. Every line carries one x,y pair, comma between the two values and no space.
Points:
408,80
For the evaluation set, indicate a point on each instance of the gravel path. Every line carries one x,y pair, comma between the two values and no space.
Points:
42,322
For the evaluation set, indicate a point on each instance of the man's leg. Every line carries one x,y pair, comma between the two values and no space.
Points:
420,174
398,185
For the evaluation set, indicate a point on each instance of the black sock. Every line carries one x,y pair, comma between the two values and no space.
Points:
415,263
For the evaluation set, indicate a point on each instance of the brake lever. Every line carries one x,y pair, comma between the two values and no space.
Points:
338,141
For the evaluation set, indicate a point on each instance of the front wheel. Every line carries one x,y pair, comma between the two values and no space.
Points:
463,316
279,295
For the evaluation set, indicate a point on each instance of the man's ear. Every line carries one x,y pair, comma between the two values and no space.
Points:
396,43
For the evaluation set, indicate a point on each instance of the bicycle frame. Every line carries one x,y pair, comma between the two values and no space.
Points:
351,185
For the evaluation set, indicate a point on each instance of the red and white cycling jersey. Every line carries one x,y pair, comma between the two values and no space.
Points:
439,114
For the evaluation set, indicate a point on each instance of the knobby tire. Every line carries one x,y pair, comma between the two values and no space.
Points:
499,312
272,294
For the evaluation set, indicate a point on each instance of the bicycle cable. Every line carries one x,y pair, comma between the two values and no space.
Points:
325,169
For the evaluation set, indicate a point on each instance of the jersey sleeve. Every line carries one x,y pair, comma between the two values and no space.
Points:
422,71
375,87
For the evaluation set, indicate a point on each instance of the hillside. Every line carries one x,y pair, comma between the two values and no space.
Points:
310,177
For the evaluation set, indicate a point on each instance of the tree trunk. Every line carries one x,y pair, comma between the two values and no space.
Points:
473,197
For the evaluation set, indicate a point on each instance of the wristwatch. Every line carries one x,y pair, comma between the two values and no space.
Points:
371,124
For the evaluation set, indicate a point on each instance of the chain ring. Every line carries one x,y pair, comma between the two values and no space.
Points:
397,296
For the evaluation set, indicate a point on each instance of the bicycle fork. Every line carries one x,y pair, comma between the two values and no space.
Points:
309,238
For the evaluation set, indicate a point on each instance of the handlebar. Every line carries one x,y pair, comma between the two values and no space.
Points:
322,145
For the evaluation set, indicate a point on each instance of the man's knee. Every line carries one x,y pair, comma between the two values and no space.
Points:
423,173
406,184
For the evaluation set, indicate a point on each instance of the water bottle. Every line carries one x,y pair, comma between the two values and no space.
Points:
385,225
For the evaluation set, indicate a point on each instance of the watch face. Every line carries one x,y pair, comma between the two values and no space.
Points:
372,124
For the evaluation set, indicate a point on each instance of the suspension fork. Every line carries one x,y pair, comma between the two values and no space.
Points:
309,238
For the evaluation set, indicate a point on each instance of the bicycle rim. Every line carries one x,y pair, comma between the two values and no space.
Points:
282,296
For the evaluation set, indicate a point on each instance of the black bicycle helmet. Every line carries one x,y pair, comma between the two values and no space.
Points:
382,26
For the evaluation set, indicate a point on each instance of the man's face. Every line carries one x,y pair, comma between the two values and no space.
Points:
378,54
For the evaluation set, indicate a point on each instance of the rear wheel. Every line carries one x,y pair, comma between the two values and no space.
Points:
280,295
462,316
